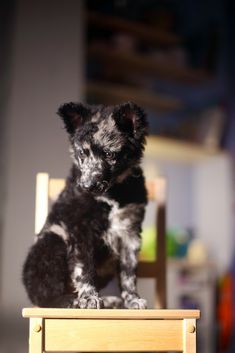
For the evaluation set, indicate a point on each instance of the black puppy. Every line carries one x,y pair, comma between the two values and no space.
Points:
92,232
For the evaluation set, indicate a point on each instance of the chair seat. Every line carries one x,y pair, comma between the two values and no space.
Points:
147,314
108,330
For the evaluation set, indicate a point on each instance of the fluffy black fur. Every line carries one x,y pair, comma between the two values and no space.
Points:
92,232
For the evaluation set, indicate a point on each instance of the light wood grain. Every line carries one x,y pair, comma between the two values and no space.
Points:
189,336
148,314
56,185
156,189
36,335
41,200
113,335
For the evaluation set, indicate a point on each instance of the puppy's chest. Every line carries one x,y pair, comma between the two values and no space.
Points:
119,226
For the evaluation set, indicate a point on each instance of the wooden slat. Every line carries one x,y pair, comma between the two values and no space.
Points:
127,62
189,336
41,202
112,335
156,188
148,314
161,284
116,94
151,189
36,332
143,32
147,269
55,187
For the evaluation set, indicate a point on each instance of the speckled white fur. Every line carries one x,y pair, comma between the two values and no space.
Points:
59,229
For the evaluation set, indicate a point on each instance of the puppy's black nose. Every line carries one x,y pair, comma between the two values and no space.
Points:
89,186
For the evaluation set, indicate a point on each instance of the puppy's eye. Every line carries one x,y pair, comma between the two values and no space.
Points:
81,154
109,155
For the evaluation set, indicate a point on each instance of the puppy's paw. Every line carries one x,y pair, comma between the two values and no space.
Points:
90,302
136,303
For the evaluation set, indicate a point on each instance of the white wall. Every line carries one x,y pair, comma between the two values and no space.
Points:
179,189
47,70
214,208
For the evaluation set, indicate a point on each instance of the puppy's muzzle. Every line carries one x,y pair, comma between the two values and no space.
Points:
95,186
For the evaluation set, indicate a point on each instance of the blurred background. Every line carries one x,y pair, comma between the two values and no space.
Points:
173,57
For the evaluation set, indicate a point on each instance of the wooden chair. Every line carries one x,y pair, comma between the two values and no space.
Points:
48,189
107,330
120,330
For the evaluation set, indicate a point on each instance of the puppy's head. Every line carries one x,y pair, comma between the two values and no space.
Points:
106,142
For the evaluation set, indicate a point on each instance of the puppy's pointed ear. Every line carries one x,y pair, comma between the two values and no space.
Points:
73,115
131,118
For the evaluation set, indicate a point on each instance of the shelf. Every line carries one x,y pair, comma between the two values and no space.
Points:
143,32
173,150
126,62
115,94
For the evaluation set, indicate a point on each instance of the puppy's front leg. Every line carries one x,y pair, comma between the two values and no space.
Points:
128,265
82,274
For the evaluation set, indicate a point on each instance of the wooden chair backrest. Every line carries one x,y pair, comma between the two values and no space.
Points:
48,189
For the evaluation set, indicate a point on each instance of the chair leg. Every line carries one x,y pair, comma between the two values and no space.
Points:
36,335
189,336
161,290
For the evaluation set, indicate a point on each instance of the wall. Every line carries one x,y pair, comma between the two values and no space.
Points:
6,30
47,70
179,190
214,208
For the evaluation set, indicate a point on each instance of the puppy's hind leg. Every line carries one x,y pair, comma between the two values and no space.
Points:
45,271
